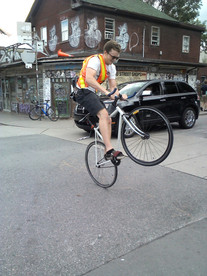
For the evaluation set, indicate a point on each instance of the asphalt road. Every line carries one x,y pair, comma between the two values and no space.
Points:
55,221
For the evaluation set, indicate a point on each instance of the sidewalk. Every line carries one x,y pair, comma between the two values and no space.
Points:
63,128
179,253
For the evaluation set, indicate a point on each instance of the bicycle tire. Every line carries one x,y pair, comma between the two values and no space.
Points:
104,174
155,147
52,113
35,113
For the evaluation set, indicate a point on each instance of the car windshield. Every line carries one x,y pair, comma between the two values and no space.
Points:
131,88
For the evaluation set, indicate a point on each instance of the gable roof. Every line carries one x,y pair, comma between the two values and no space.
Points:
133,6
130,6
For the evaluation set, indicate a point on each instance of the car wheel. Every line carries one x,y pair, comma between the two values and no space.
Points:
188,118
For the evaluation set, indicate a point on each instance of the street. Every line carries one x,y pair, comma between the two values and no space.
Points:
55,221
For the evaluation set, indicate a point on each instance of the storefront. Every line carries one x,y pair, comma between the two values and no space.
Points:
18,92
20,88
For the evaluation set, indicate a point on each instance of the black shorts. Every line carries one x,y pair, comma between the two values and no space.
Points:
90,101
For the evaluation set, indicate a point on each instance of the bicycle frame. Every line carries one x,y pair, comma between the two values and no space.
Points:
42,108
146,148
122,117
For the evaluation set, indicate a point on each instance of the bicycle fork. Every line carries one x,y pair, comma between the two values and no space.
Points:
130,123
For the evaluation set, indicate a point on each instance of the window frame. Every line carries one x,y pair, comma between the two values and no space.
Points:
64,32
109,33
157,41
186,46
43,34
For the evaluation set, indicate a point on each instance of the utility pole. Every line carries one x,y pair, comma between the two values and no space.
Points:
35,39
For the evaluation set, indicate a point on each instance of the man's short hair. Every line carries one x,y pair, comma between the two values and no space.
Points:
112,44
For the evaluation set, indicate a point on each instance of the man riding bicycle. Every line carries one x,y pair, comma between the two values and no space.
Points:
95,70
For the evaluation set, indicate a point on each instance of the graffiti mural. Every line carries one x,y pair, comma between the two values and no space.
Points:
9,54
24,108
123,37
92,34
53,39
134,41
74,38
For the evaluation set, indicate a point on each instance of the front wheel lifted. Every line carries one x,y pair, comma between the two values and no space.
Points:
153,140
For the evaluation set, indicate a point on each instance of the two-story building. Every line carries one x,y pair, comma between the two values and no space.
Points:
153,44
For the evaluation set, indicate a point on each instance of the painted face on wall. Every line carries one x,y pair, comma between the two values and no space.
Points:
123,37
53,39
92,34
74,38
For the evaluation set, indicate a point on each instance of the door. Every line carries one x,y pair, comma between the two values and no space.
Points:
61,97
172,100
155,97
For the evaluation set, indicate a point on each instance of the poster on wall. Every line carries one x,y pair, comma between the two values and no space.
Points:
47,89
125,76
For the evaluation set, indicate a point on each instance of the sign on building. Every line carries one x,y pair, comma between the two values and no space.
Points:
24,32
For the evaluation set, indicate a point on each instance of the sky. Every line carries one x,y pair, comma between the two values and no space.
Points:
13,11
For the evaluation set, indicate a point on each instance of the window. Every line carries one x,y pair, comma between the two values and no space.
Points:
64,29
170,88
155,89
155,36
109,28
43,35
184,87
186,44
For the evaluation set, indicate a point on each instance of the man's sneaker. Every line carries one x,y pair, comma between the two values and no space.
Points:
113,154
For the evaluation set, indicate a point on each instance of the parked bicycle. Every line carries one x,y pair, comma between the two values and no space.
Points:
39,109
149,143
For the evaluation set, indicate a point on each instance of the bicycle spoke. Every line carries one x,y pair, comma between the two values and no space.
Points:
52,114
35,113
156,146
103,172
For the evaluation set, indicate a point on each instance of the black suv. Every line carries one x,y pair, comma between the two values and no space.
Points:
176,99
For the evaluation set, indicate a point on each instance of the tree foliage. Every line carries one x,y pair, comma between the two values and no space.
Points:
182,10
186,11
204,34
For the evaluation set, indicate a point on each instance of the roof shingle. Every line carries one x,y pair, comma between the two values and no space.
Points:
135,6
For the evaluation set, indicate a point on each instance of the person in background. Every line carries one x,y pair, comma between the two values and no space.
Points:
204,95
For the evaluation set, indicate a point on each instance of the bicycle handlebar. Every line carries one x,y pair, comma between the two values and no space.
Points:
120,96
111,93
132,95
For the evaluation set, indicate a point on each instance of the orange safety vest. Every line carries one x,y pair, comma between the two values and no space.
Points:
103,73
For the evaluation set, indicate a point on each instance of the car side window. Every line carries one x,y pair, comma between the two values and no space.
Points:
170,88
185,88
154,89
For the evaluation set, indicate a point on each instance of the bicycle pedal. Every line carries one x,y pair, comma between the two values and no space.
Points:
115,161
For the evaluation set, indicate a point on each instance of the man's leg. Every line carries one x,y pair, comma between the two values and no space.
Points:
105,128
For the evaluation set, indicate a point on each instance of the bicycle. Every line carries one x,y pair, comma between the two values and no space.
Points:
36,112
149,143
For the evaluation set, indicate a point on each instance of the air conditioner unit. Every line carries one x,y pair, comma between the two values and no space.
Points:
109,35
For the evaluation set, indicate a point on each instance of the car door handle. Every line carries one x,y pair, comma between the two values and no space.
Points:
163,100
183,98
